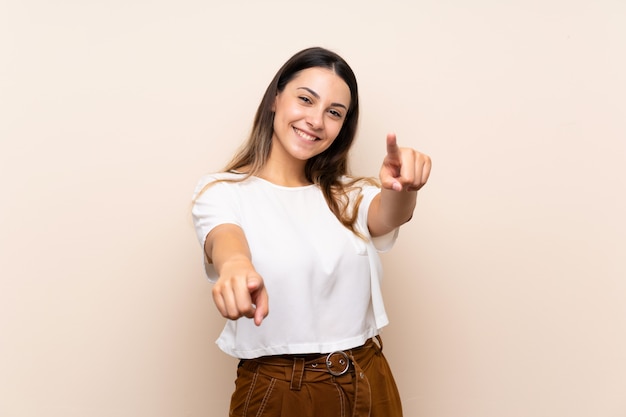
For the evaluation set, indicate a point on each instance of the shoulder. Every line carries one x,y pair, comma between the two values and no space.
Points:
349,180
221,177
218,181
359,185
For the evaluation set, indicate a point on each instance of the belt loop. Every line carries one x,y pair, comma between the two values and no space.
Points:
296,374
380,343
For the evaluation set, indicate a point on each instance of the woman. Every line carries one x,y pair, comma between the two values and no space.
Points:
286,229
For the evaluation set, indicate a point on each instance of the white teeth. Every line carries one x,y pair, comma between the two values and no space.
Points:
304,135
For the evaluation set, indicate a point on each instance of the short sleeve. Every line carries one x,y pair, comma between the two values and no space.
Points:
382,243
214,203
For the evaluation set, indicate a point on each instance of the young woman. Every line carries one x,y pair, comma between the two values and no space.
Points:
287,230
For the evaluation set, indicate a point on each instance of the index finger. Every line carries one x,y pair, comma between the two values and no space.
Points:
261,302
243,299
392,145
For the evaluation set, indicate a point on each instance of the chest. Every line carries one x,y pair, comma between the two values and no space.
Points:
296,231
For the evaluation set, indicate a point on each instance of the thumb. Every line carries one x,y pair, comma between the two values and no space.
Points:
254,283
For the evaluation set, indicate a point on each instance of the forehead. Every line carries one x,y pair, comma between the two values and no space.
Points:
325,82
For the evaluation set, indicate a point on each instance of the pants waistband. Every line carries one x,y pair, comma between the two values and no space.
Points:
335,363
343,367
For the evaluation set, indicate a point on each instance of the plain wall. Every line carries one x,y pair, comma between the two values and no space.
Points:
506,292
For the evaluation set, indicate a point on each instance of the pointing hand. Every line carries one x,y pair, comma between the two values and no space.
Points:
404,169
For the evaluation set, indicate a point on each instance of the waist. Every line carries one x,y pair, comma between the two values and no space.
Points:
335,363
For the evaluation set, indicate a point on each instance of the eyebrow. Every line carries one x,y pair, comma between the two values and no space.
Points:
314,94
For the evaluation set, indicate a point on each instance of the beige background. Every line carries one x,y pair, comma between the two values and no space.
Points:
506,292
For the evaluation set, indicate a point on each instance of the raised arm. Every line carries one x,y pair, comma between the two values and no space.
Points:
403,173
239,290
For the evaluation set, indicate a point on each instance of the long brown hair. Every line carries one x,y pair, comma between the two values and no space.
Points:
327,169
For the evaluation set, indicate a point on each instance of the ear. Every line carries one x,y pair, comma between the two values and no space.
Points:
274,103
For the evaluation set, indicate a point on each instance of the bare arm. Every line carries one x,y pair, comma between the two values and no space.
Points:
403,173
239,290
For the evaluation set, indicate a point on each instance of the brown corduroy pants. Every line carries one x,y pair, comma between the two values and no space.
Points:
353,383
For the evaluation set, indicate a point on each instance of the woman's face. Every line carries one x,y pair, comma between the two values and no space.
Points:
309,114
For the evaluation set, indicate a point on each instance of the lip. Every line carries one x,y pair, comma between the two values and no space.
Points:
301,132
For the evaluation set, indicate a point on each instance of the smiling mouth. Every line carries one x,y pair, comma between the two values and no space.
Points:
304,135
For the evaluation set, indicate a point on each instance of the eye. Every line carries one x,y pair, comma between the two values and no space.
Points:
335,113
305,99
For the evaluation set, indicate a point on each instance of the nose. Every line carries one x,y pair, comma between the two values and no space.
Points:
315,118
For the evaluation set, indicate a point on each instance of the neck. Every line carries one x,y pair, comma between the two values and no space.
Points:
285,173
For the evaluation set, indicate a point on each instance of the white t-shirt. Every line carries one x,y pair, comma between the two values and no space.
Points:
323,281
